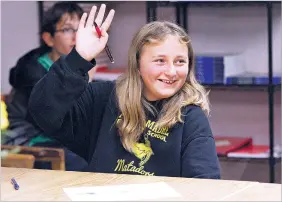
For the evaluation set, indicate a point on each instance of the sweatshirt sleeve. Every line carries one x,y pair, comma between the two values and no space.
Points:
63,104
199,157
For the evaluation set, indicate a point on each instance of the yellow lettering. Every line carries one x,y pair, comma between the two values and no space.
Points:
138,170
155,129
131,168
158,130
130,164
150,124
120,164
161,130
158,136
164,131
166,134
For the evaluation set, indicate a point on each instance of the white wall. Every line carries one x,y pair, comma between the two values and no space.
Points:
245,113
19,34
129,17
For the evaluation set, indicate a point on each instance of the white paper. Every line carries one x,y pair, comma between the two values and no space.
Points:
121,192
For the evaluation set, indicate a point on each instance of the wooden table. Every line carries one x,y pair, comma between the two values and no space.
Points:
259,192
47,185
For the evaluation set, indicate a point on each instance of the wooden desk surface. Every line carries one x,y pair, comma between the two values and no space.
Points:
259,192
47,185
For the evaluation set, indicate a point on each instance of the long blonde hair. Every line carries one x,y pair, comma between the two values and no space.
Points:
131,101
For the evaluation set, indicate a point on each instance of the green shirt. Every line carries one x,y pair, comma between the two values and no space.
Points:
45,61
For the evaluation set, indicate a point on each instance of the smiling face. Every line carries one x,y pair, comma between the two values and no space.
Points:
163,68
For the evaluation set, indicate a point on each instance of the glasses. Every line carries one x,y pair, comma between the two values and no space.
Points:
67,31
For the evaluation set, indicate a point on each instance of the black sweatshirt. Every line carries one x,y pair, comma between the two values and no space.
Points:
83,115
23,76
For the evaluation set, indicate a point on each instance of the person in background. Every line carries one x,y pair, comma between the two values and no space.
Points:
58,34
150,121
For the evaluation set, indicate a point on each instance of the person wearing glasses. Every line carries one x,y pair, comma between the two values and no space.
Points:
152,120
58,31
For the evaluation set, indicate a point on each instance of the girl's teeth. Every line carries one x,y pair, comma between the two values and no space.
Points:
169,82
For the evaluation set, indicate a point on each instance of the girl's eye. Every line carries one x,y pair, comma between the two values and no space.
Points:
159,60
180,61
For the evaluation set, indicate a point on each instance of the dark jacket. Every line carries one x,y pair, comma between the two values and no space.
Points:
27,72
23,76
83,117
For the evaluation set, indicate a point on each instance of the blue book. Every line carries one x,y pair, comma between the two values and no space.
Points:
209,70
255,80
264,80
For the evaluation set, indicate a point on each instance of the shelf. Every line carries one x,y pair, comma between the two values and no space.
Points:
241,87
213,3
248,159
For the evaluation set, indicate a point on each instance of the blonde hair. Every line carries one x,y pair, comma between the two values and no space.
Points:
131,101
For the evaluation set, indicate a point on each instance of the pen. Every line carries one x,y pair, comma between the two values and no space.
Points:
15,184
106,48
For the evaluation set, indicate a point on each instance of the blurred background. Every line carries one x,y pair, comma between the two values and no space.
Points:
237,47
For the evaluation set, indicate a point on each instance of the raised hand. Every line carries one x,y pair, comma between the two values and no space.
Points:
88,43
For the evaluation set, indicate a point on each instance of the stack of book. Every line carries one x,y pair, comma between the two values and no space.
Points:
243,147
255,151
252,78
209,70
225,145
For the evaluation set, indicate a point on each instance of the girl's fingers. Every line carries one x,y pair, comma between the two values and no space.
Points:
100,15
106,24
82,21
91,16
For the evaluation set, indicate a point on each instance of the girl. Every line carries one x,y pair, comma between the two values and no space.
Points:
150,121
